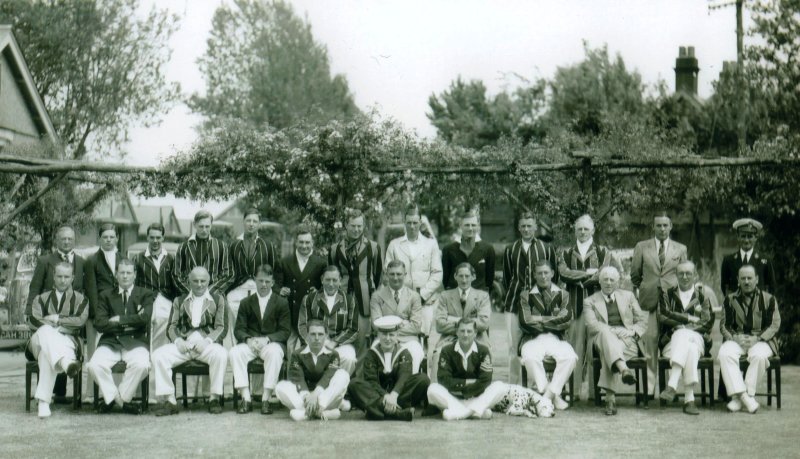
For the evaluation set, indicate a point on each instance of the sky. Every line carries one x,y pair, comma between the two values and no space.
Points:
395,54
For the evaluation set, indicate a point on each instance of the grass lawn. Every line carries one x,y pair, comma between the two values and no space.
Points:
582,431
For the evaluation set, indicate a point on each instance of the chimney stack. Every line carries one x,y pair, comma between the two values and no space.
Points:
686,71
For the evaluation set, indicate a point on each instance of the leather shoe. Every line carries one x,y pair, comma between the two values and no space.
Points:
61,400
628,376
245,407
668,394
167,409
132,408
214,406
73,369
105,408
406,414
690,408
266,408
611,408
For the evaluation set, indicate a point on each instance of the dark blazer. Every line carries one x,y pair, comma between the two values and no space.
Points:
274,325
761,318
518,269
453,375
372,370
307,375
134,318
729,273
42,280
482,258
671,315
299,282
98,278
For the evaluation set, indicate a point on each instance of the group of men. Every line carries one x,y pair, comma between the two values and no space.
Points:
352,328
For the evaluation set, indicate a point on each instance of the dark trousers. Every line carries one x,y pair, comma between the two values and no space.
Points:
364,395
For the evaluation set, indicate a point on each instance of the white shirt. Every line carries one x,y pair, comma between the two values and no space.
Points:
157,260
526,245
465,357
314,357
301,260
262,302
197,308
59,295
746,256
387,362
609,298
111,259
70,255
330,301
666,245
463,294
686,297
583,247
126,291
414,248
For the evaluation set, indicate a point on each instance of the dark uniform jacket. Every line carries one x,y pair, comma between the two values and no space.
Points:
274,325
452,374
307,375
299,282
672,315
555,311
482,258
372,370
756,316
729,273
98,277
42,280
134,318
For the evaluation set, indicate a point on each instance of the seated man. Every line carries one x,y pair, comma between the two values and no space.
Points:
123,317
458,303
338,310
263,325
386,388
544,316
316,384
686,319
57,316
197,326
395,299
615,324
465,388
749,324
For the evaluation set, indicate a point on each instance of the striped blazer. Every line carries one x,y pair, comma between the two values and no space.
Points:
342,321
213,322
73,311
245,267
216,261
43,274
572,269
362,275
556,314
518,269
160,280
759,317
672,315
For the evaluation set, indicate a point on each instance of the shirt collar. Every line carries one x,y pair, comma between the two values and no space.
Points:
241,237
665,242
193,237
307,350
147,252
205,296
553,288
473,348
126,290
748,253
611,297
584,245
300,257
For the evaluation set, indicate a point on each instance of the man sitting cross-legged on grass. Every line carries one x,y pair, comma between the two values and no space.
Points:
316,384
386,388
465,388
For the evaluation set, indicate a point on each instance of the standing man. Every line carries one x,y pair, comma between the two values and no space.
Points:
518,260
750,323
123,318
359,262
747,232
466,389
298,274
544,315
57,317
262,328
386,388
479,254
616,324
201,249
197,326
653,271
579,267
420,255
395,299
44,279
686,321
338,310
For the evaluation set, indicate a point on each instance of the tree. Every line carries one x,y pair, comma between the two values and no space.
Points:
263,66
98,65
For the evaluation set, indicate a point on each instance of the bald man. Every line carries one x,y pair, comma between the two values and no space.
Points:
197,326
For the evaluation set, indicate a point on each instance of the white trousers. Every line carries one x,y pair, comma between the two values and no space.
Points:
514,335
51,349
347,357
158,331
241,355
548,345
329,399
440,397
137,363
167,357
758,357
417,353
684,349
92,338
427,319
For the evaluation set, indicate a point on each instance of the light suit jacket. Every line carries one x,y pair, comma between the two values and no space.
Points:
410,310
633,317
449,312
649,276
424,273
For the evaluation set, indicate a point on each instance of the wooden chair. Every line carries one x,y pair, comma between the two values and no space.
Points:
119,368
549,367
706,367
638,365
33,367
774,368
191,368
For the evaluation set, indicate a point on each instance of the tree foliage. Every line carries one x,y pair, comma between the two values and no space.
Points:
98,65
263,66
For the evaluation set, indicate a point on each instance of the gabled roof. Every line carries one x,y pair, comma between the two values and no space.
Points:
19,68
162,214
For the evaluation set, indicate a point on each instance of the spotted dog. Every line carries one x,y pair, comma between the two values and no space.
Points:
521,401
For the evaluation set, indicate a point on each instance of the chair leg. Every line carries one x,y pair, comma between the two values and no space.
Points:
28,378
702,387
524,376
185,395
598,399
778,384
571,389
711,386
645,388
145,406
769,386
662,382
76,391
95,390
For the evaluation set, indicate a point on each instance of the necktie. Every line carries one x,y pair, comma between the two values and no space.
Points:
661,253
397,296
747,258
463,298
64,257
124,298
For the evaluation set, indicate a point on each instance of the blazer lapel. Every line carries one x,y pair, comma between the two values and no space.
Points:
294,266
600,306
270,304
116,303
388,298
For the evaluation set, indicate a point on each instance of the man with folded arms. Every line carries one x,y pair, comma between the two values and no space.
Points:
544,316
123,317
263,324
686,321
57,316
197,326
386,388
465,389
316,385
616,324
750,323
